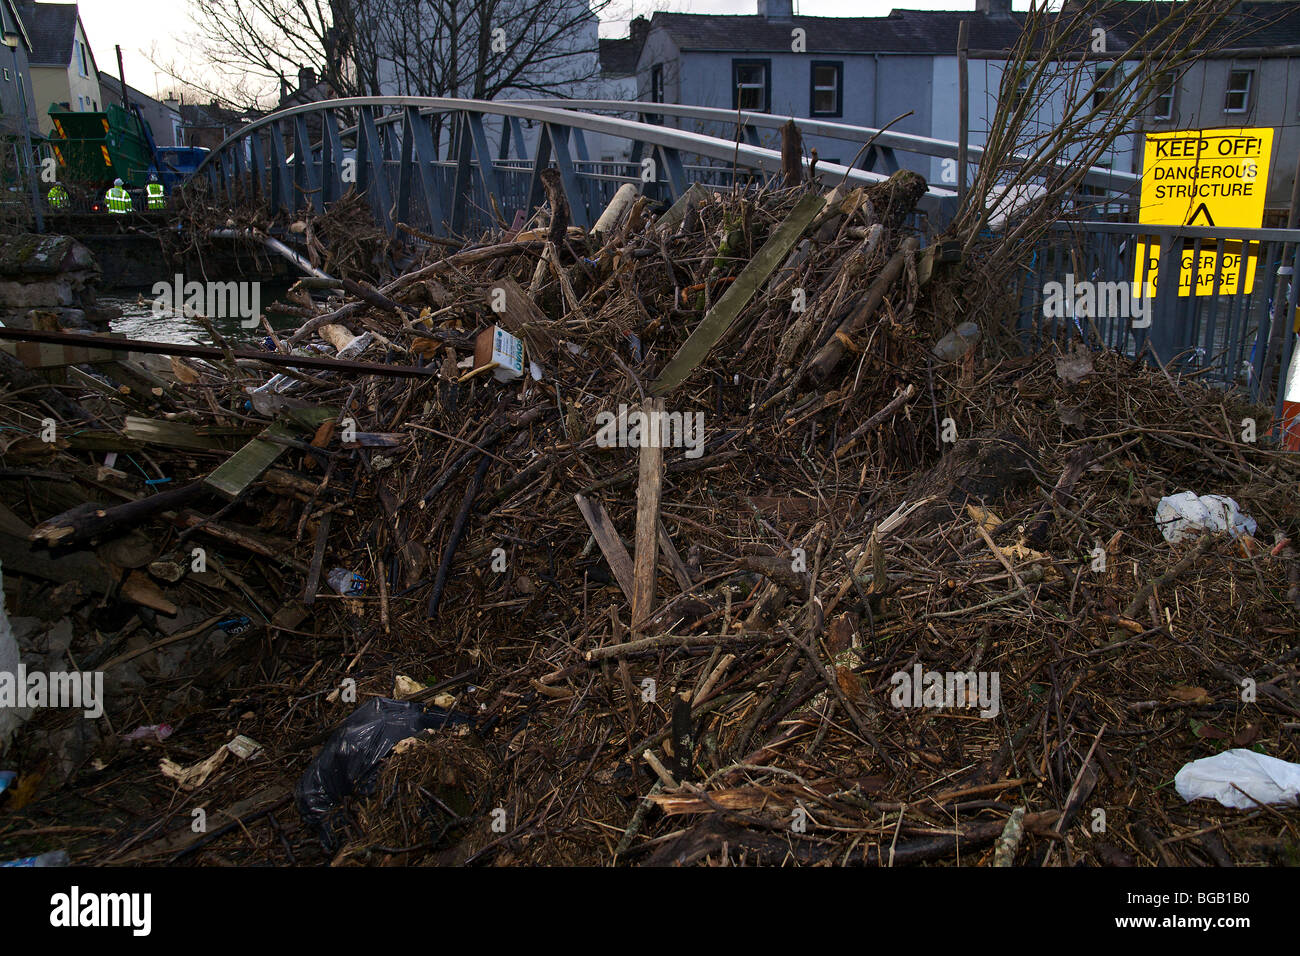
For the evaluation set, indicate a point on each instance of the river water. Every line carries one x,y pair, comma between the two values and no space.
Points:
138,321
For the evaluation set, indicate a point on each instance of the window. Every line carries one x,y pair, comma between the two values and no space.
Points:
6,74
81,55
1237,98
1103,84
827,88
751,85
1021,92
657,83
1164,104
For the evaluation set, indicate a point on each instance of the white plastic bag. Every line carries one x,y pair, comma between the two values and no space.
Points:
1186,513
1267,779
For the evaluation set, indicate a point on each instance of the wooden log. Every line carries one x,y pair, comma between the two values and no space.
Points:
558,234
791,155
88,521
676,213
832,352
338,336
649,487
277,549
18,555
614,212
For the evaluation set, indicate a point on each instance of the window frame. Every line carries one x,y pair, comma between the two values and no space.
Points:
83,65
766,64
1099,93
813,88
657,92
1228,91
1167,90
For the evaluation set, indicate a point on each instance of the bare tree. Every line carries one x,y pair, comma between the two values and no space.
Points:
471,48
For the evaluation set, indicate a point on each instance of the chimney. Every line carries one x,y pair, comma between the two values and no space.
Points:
306,78
780,10
994,8
639,31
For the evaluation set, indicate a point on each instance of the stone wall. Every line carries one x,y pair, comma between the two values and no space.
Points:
56,278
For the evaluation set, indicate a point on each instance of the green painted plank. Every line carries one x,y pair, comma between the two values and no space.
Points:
245,466
714,325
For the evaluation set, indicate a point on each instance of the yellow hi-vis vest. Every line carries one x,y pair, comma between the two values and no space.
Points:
157,196
57,197
119,200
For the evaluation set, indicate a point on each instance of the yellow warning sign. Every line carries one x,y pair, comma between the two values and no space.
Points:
1209,177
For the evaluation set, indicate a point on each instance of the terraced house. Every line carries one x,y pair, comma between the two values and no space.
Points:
869,71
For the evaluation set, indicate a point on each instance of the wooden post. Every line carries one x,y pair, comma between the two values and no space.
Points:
963,109
791,155
649,486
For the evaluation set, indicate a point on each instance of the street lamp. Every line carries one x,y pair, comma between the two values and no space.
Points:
10,40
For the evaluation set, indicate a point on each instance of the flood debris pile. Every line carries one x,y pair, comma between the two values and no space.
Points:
904,599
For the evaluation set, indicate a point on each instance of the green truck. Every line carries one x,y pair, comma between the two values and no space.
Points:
94,148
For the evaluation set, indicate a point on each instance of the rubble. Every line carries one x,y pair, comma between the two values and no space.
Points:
893,606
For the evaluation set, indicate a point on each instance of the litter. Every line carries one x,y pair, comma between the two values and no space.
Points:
348,760
1266,779
156,732
1180,515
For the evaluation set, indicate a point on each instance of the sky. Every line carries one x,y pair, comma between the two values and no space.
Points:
160,27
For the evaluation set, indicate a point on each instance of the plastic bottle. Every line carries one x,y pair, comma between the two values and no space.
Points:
346,582
53,858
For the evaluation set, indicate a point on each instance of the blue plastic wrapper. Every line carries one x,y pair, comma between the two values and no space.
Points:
349,759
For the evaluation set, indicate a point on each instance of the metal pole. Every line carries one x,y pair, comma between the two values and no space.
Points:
963,110
1282,322
121,75
37,215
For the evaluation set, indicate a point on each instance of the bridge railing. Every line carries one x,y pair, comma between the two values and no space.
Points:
882,155
1221,334
446,165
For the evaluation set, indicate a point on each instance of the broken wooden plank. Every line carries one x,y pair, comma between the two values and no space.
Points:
649,487
139,589
681,573
714,325
677,211
233,476
518,314
171,434
607,538
317,558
